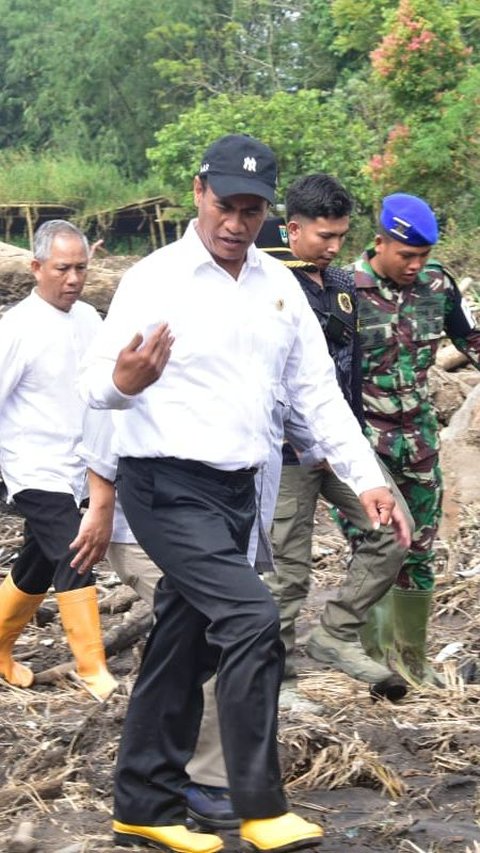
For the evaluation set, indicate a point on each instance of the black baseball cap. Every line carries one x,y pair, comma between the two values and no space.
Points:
237,164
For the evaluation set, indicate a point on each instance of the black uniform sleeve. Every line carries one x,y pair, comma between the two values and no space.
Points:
460,325
357,402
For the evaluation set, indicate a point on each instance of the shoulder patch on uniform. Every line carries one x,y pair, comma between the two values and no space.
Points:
345,302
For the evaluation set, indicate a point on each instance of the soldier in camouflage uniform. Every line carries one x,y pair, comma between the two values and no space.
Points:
405,303
318,210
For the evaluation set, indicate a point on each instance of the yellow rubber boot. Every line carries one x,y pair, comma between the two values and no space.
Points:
177,839
279,834
16,610
81,621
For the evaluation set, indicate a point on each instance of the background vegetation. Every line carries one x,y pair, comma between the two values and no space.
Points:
106,101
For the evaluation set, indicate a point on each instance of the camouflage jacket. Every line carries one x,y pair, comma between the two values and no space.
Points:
400,330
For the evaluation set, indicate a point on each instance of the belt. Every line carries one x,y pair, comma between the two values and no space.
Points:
191,466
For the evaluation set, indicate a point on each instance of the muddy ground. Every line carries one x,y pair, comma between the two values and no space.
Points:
378,777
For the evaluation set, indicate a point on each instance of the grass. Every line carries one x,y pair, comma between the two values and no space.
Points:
67,179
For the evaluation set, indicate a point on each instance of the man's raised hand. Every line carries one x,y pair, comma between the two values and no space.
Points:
140,363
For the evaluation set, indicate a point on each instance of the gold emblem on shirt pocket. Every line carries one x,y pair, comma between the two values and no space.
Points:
280,304
345,303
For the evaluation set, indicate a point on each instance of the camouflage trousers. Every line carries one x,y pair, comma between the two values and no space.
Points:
421,485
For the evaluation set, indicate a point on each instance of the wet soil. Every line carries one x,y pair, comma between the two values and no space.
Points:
58,745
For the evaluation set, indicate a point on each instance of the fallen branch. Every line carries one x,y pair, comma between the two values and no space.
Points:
119,600
135,626
13,796
54,674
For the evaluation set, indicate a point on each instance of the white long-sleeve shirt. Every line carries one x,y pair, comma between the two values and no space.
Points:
41,411
236,342
96,449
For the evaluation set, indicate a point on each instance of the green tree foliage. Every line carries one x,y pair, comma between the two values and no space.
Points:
468,12
422,54
432,147
219,47
312,60
357,24
325,137
238,47
92,86
438,157
79,78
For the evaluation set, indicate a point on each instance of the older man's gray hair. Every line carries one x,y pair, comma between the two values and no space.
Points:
44,236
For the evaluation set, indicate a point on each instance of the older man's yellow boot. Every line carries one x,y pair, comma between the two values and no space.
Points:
81,621
16,610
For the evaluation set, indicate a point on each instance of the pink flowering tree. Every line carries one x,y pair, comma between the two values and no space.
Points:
425,66
437,156
382,168
422,55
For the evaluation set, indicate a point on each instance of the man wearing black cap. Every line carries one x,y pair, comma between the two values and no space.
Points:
214,327
406,302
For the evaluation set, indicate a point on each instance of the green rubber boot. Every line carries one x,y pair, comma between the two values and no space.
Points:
377,633
411,611
377,640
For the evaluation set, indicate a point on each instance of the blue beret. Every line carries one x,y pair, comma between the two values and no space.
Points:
409,220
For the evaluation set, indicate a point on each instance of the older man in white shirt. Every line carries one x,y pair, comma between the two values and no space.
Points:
214,327
42,341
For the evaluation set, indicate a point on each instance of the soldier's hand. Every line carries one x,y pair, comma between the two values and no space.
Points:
140,364
401,527
380,506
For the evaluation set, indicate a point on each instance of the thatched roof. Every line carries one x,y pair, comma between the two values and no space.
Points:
23,217
155,219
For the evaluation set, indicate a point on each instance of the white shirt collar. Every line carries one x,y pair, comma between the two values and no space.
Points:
197,253
43,305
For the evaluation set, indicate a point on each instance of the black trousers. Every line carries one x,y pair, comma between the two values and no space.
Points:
213,614
51,523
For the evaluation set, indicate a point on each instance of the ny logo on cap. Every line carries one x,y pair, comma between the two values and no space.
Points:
250,164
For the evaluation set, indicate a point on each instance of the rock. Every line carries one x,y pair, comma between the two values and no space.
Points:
449,390
459,459
15,277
